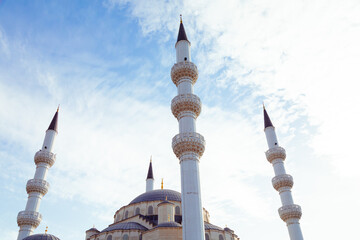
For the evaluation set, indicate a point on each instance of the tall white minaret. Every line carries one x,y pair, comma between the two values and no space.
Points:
30,219
188,145
150,178
282,182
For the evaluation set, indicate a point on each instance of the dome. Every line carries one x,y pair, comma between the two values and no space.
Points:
169,224
125,226
209,226
41,237
93,230
158,195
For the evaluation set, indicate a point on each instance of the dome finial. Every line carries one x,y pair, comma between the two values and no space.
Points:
150,158
180,18
58,108
46,229
162,183
263,105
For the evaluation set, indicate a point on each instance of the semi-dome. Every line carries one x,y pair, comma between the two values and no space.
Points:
125,226
169,224
158,195
41,237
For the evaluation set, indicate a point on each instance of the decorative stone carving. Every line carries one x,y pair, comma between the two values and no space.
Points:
45,157
284,180
290,211
29,218
275,153
184,70
37,185
188,142
186,102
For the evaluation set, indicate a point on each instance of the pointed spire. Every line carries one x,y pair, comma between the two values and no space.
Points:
150,174
182,34
267,121
54,125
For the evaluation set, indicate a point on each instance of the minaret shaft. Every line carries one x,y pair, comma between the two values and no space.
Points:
29,219
282,182
188,145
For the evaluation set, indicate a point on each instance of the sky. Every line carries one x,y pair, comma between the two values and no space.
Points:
107,63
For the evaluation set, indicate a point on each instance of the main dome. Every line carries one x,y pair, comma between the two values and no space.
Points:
158,195
41,237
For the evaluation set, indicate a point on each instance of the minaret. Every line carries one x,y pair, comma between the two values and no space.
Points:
188,145
282,182
150,178
30,219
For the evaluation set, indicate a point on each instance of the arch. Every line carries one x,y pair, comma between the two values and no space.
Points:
137,211
109,237
177,210
150,210
126,214
207,236
125,237
221,237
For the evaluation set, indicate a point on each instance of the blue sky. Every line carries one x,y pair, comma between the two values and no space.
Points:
107,63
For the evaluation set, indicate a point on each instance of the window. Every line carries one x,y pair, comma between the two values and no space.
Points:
177,210
126,237
109,237
207,236
137,211
150,210
221,237
185,58
126,214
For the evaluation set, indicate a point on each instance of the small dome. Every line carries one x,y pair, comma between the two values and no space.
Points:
158,195
169,224
41,237
93,230
209,226
125,226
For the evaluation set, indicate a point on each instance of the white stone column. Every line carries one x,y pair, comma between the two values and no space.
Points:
29,219
282,182
188,145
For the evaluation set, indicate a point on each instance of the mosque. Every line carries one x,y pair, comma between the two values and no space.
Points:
163,214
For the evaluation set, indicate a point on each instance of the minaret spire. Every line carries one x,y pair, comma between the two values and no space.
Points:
267,121
29,219
188,145
150,178
182,33
282,182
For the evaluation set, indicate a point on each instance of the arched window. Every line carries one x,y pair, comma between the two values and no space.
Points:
126,237
150,210
177,210
207,236
109,237
221,237
126,214
137,211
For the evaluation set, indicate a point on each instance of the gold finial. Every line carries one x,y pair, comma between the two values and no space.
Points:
166,198
58,108
151,158
46,229
162,183
263,105
180,18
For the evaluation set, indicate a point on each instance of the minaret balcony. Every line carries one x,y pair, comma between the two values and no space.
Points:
290,211
186,102
188,143
45,157
284,180
37,185
183,70
275,153
29,218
